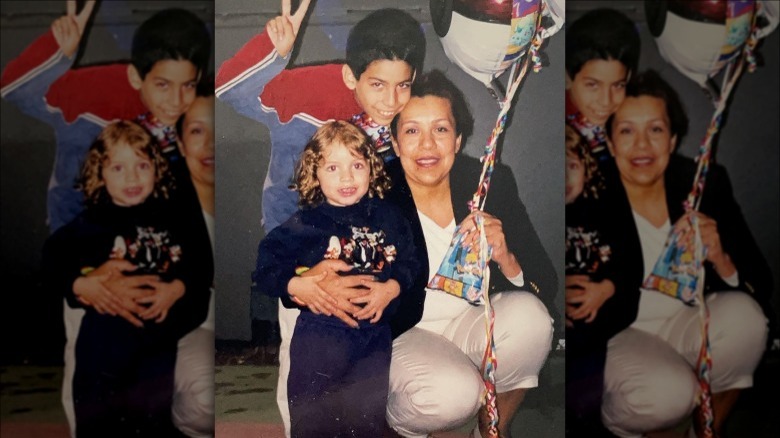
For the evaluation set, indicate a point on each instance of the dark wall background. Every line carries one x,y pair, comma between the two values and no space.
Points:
749,139
748,145
533,141
532,147
31,318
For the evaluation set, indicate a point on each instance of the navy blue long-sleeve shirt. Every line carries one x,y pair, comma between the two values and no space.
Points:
373,236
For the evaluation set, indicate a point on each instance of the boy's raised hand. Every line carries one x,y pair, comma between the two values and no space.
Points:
68,29
283,29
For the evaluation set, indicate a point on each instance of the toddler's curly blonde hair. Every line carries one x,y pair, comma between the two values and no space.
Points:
577,147
354,139
135,136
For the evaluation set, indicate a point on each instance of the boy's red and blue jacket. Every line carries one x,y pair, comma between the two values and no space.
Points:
76,103
292,103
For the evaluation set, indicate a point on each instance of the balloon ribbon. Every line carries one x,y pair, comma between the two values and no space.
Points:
474,288
680,273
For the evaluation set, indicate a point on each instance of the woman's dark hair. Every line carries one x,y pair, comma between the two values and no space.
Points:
435,83
650,83
602,34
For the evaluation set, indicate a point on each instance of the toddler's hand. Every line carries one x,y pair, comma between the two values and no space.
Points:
166,294
380,295
584,297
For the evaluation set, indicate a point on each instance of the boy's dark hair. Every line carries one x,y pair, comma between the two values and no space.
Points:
385,34
205,87
602,34
435,83
175,34
650,83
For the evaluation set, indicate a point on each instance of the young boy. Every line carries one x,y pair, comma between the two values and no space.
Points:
602,51
384,52
158,85
170,51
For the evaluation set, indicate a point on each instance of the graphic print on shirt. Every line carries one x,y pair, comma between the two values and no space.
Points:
150,250
585,252
365,250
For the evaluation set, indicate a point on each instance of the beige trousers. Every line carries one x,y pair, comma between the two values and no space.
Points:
435,382
649,379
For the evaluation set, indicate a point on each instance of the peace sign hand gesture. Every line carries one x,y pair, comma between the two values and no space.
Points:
283,29
67,30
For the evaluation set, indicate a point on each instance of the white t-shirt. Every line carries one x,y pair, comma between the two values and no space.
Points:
440,307
209,322
656,307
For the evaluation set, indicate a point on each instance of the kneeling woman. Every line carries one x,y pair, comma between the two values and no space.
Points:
650,382
435,383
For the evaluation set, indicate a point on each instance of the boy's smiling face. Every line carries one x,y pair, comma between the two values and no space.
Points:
598,89
383,89
168,89
197,145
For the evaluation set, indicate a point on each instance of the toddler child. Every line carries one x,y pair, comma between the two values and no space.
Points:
595,310
338,381
123,381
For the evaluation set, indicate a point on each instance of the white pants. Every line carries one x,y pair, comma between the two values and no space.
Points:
72,318
287,318
649,380
435,382
193,385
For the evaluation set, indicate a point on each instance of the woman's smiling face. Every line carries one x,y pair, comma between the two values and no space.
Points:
642,141
197,144
427,140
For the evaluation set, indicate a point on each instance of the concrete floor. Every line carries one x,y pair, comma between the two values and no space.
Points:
245,403
244,398
245,394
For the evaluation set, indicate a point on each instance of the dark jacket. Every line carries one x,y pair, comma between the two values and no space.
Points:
502,202
171,243
362,233
717,202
